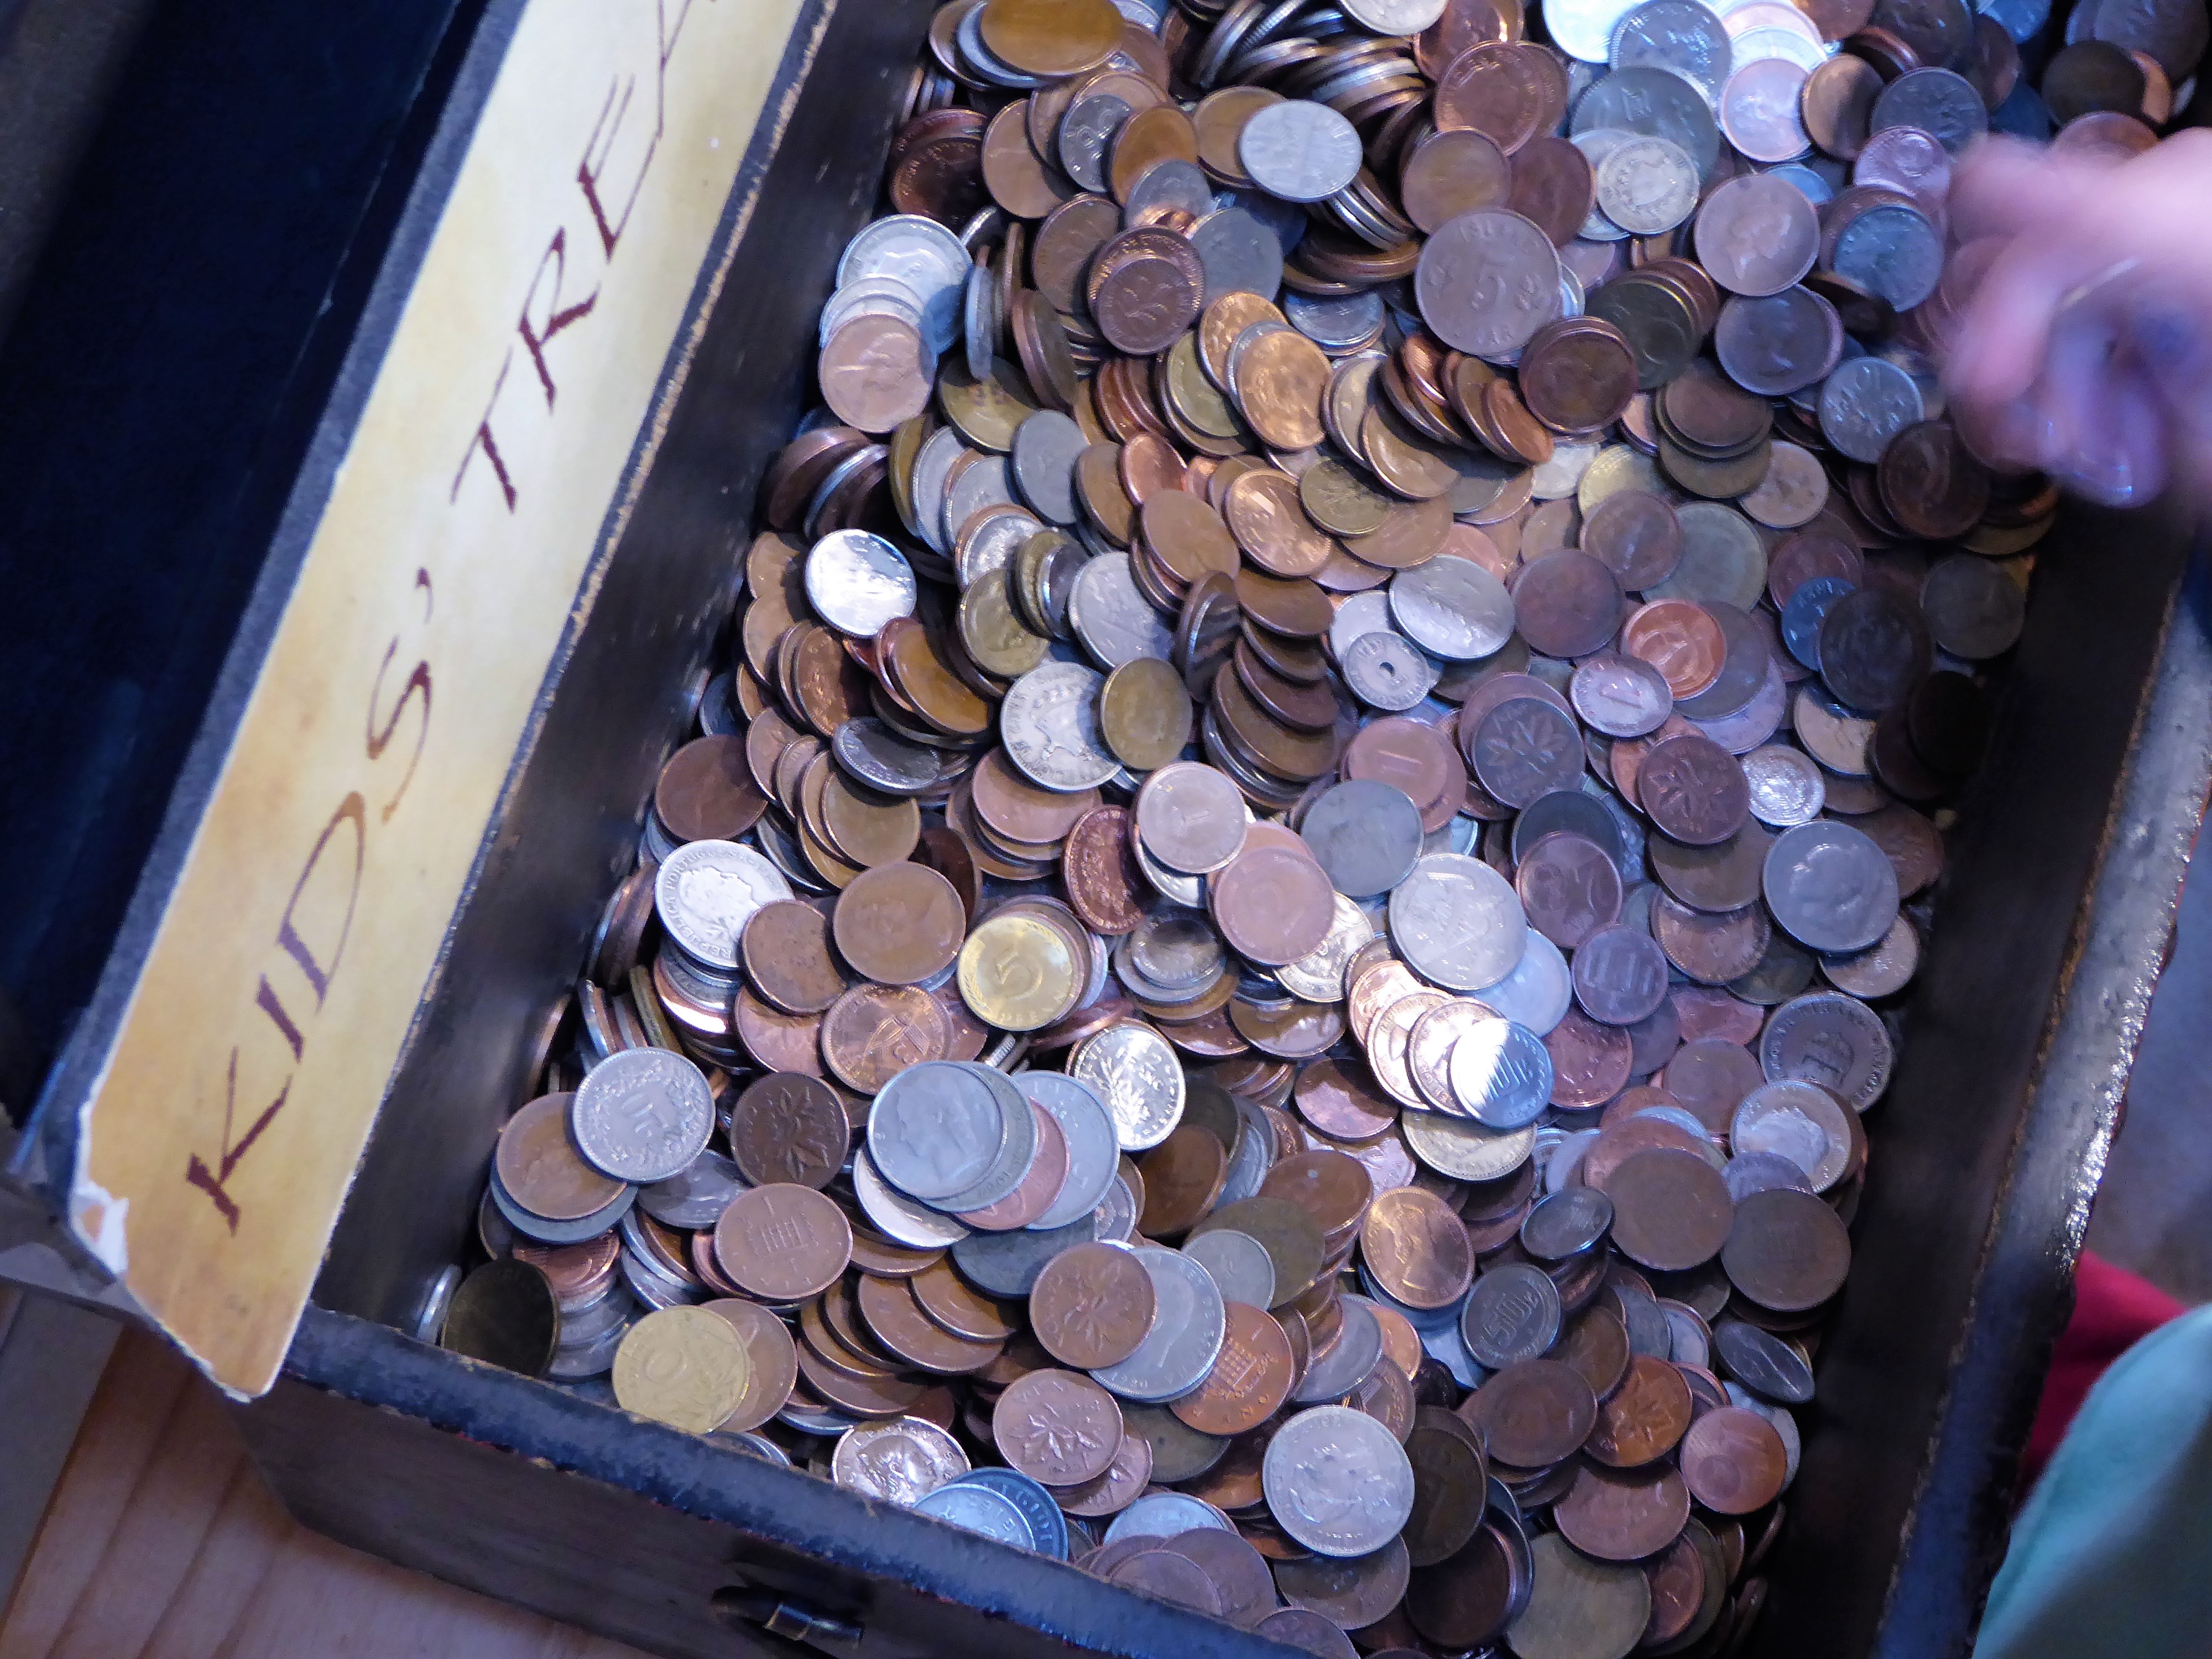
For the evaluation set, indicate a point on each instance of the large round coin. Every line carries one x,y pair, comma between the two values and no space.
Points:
1338,1481
1487,280
1501,1074
1831,886
857,582
642,1114
705,892
935,1129
1458,922
1190,1323
1365,833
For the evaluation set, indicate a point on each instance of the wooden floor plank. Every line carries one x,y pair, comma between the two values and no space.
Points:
163,1542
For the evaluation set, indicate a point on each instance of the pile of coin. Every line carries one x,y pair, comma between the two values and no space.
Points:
1264,970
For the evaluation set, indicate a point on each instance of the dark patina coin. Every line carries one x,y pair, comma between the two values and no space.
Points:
1873,648
1694,790
1831,886
1787,1250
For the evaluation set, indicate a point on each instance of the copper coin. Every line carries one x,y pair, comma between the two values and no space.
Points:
1417,1248
1787,1251
873,1032
959,1307
1057,1427
707,791
873,372
894,1317
1047,1174
1622,1517
1567,604
1930,484
1121,1485
774,1362
1644,1419
1465,1600
574,1271
1571,889
1681,640
1635,535
1710,1076
1091,1305
1496,89
1100,873
1449,1475
1671,1210
1331,1187
782,1243
785,949
778,1041
1021,810
1238,1571
538,1163
1339,1099
788,1127
1184,1176
1734,1460
1352,1593
1273,906
1525,748
1595,1343
1250,1379
1532,1414
1694,790
1620,976
1552,185
899,923
1589,1062
1051,37
1874,649
1449,174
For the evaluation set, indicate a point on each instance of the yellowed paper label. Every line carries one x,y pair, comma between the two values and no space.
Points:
231,1111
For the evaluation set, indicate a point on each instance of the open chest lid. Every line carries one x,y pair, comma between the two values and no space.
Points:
536,313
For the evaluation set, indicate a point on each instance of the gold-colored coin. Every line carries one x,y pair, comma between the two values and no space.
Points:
1145,714
681,1366
994,635
1618,467
1194,398
1264,514
1340,501
1721,480
1052,37
1222,321
1017,974
985,412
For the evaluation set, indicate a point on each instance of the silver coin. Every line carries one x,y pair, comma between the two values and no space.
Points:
1679,36
1800,46
1046,444
1017,1147
1188,1325
883,760
1893,251
1501,1074
902,1219
1387,671
1240,1265
1830,886
924,255
1596,144
1786,788
936,1129
987,482
1360,613
1093,1154
1111,617
1464,1150
1657,103
1337,1482
1239,252
1339,323
1938,101
901,1462
979,321
1458,922
1834,1041
706,891
980,1510
933,471
1047,1525
1348,1361
642,1114
1757,720
1647,186
1365,834
1252,1156
1584,29
1393,16
595,1357
1487,280
1320,977
1511,1315
1173,183
1444,1344
1085,132
1299,151
1114,1220
1135,1072
1008,1263
1801,1121
696,1196
1621,696
857,582
991,548
1163,1514
1539,991
871,296
1723,561
1452,608
1048,724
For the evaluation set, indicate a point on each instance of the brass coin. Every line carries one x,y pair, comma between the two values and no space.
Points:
1019,973
504,1314
682,1366
541,1169
1145,714
772,1362
1051,38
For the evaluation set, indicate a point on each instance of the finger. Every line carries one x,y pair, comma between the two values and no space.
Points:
2103,434
1997,352
2004,187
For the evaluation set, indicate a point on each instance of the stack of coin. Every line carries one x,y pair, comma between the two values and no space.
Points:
1304,864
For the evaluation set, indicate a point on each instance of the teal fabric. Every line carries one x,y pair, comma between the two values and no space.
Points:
2113,1554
